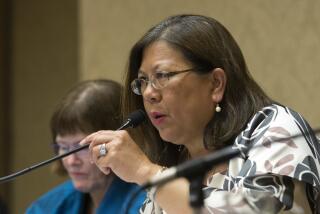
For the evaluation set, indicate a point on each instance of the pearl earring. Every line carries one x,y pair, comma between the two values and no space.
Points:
218,108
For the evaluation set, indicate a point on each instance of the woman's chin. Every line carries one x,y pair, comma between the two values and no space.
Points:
169,138
81,187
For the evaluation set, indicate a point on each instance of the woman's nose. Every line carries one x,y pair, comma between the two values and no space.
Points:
151,94
73,159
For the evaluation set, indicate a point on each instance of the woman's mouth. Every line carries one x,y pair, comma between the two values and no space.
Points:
157,118
77,175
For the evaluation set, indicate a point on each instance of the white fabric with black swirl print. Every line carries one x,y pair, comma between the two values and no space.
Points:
274,176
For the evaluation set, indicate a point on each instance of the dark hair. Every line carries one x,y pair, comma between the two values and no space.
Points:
207,44
88,107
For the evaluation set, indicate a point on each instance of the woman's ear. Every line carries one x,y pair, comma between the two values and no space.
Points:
219,80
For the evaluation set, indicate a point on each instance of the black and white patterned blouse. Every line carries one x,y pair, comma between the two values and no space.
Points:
274,176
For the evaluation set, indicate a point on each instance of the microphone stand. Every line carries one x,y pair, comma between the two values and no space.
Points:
195,193
194,171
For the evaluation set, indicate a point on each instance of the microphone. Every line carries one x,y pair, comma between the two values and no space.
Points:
201,165
133,120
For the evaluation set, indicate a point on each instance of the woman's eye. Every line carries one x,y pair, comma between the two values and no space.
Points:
64,148
161,75
142,78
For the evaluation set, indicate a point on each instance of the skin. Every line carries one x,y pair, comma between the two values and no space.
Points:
85,177
185,110
185,106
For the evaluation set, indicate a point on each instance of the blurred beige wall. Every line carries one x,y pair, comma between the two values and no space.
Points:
44,66
280,41
58,43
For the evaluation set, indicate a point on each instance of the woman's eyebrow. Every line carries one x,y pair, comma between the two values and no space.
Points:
141,73
153,70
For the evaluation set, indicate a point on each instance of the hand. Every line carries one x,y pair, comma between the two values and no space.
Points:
123,156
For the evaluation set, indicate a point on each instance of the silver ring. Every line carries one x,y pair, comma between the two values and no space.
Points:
102,149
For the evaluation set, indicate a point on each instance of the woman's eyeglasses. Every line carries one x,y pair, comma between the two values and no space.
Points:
158,80
62,149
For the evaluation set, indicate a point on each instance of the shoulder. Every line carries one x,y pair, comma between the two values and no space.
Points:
120,193
119,186
65,188
55,198
127,190
137,201
281,142
276,119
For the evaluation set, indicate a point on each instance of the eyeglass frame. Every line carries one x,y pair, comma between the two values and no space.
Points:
57,147
135,89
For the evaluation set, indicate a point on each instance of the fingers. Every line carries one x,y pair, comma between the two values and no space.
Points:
102,150
97,138
100,144
105,170
117,151
99,156
99,151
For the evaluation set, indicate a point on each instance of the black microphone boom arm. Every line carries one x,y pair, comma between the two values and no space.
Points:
133,120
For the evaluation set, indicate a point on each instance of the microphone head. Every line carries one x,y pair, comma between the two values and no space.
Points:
136,118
